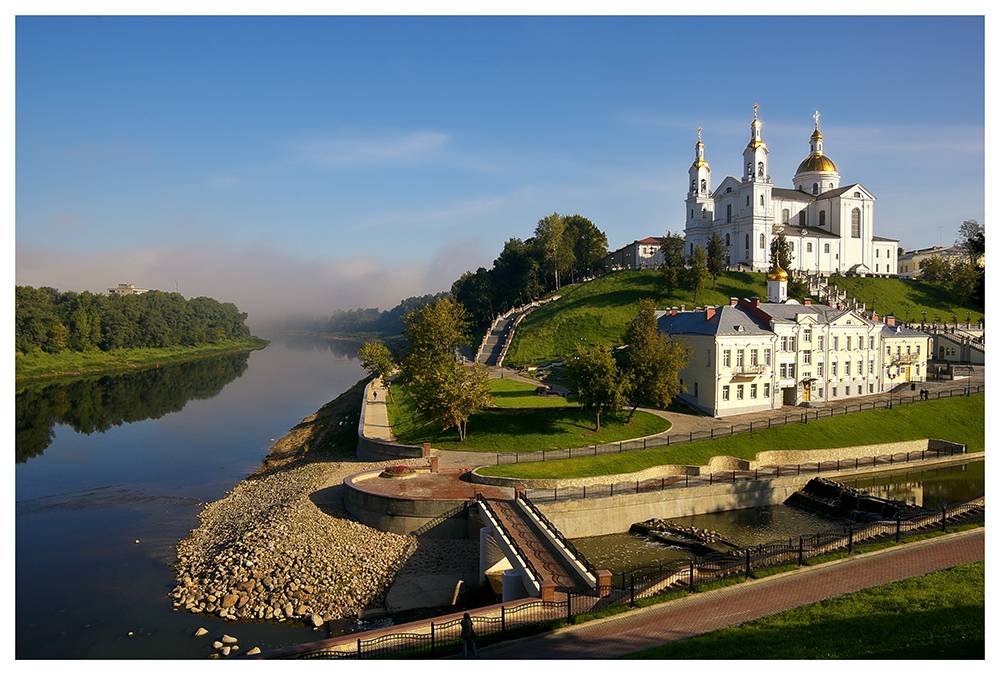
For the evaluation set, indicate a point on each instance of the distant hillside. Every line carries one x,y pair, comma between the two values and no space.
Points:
599,311
906,299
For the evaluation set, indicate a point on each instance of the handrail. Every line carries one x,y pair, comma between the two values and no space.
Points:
569,545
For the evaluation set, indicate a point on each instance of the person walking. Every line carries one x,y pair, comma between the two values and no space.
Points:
468,637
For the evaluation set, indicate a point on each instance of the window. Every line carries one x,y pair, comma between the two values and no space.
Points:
739,391
762,241
857,194
727,235
726,355
822,217
761,199
691,250
748,201
815,189
704,186
856,223
753,357
918,349
802,218
871,367
836,343
819,369
729,189
819,342
729,214
871,343
876,267
876,253
767,357
848,343
753,391
739,358
820,392
784,216
696,389
725,393
861,367
767,390
847,390
807,357
807,334
834,391
760,173
847,368
791,246
871,387
826,248
692,214
809,247
746,243
833,368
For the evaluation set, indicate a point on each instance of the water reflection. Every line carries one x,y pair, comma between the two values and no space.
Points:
340,348
930,488
95,404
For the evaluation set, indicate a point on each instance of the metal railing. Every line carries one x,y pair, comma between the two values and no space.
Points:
936,450
570,546
803,417
444,638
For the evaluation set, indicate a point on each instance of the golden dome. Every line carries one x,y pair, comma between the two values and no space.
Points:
778,273
757,143
816,135
816,162
700,162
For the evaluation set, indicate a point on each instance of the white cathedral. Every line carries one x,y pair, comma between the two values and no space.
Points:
830,228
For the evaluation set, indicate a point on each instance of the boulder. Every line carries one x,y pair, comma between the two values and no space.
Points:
315,620
202,631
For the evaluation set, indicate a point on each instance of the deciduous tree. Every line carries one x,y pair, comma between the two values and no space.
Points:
672,247
652,362
377,359
698,273
716,257
596,380
555,244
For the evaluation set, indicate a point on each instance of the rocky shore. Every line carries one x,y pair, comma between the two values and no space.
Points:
280,546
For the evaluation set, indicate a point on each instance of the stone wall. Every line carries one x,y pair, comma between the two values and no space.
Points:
664,471
772,457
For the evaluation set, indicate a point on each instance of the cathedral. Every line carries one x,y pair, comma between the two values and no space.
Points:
829,227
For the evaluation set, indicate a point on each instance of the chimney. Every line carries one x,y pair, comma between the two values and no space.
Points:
874,317
890,320
709,312
807,302
755,302
733,301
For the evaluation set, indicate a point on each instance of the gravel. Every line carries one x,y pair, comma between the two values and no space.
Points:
267,551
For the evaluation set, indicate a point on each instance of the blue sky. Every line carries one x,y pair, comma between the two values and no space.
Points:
297,164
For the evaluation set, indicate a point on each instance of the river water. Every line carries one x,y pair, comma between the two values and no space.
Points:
111,471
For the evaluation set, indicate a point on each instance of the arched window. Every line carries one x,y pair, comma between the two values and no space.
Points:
762,241
760,169
802,218
815,189
727,240
761,199
746,244
855,223
809,247
729,213
703,212
748,201
749,169
784,216
822,217
692,214
704,185
692,185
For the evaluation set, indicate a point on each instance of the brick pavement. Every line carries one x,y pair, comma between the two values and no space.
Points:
705,612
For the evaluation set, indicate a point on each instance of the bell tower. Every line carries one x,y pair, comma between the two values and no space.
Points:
755,169
700,206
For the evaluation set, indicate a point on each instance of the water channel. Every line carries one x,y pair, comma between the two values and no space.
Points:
111,471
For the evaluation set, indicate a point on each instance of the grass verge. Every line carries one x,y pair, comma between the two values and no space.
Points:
940,615
508,429
960,419
907,299
40,365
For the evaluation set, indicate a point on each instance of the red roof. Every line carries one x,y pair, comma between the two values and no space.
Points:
649,241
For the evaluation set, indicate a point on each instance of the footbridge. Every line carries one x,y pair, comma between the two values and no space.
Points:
534,557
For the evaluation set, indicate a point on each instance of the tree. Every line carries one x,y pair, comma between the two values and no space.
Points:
716,257
698,273
672,247
935,269
555,244
781,252
474,292
459,393
964,280
596,380
652,361
972,239
377,359
590,244
515,275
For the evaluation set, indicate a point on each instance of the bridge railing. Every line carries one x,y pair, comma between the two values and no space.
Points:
570,546
937,449
804,417
444,638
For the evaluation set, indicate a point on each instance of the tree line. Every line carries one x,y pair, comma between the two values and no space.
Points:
52,321
374,321
965,276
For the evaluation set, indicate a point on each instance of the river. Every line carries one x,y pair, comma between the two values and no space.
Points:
111,471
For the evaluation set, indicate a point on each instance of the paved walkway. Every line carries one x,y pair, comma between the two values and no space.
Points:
376,413
705,612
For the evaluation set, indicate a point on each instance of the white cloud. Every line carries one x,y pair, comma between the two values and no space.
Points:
352,150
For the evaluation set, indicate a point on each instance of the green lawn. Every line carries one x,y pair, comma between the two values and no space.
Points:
960,419
907,298
598,311
936,616
508,429
508,393
40,365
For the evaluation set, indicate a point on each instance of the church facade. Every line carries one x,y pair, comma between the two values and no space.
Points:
830,227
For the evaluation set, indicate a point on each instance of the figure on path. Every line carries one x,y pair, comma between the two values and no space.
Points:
468,637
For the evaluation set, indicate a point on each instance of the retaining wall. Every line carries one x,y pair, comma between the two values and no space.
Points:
406,515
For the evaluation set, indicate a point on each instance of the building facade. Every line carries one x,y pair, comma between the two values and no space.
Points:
638,255
830,227
909,262
751,356
125,289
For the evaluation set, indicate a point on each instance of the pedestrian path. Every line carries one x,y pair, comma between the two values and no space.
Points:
705,612
376,424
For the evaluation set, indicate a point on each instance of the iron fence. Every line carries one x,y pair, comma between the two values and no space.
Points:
804,417
936,450
444,638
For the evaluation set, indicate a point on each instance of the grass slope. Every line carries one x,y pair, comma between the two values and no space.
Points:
906,299
508,393
936,616
599,311
961,419
507,429
40,365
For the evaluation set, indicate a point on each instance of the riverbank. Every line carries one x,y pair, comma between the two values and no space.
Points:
44,366
280,546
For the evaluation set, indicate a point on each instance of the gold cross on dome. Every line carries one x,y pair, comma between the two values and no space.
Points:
756,107
816,118
699,134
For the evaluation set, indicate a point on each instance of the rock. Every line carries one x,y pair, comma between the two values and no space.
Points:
316,620
229,640
216,644
229,601
225,650
214,655
252,651
289,609
202,631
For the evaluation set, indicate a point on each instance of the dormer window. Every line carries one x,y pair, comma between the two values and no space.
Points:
729,189
857,194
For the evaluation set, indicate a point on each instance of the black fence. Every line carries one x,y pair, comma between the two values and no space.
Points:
804,417
444,638
937,449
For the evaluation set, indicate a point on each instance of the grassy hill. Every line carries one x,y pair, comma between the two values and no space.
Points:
906,299
599,311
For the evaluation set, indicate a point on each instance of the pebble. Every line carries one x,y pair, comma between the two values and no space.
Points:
315,620
253,650
229,640
202,631
225,650
216,645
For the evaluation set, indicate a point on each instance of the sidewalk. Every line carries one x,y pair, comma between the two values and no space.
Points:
730,606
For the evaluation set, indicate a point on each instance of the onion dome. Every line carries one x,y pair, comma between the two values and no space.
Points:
778,273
